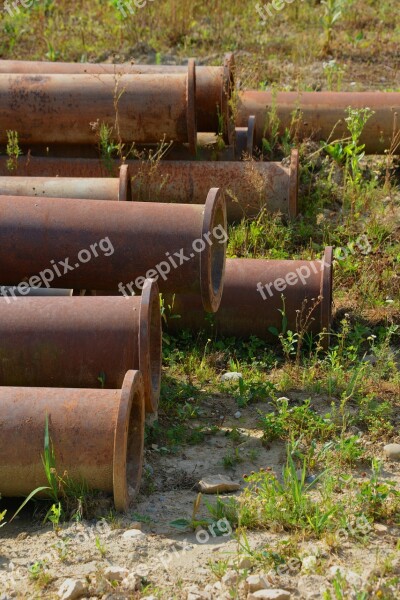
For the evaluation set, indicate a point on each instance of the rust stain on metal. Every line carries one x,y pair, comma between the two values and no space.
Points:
322,114
97,435
61,108
249,186
36,231
70,341
247,311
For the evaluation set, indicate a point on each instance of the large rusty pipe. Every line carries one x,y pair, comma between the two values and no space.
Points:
249,186
322,115
97,437
64,109
183,247
214,85
252,299
107,188
74,341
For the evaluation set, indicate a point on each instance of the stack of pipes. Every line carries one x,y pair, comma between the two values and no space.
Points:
86,247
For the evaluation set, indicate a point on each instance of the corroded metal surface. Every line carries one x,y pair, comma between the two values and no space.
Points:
89,188
214,85
247,311
249,186
69,109
141,237
81,342
97,437
321,115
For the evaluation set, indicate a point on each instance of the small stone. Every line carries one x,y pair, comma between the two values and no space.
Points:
312,587
130,582
380,529
351,577
141,570
71,589
237,414
245,563
308,563
231,376
256,582
392,451
115,573
195,593
134,534
218,484
229,579
149,598
270,595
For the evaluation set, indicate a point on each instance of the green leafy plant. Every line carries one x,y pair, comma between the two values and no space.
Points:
333,10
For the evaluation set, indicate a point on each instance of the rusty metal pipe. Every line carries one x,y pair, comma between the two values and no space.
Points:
12,290
155,240
245,311
214,85
97,437
64,109
69,341
69,187
322,115
248,185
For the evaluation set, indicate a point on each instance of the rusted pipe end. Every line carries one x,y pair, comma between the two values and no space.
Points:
226,100
125,188
150,344
244,139
212,258
128,441
294,183
191,106
326,293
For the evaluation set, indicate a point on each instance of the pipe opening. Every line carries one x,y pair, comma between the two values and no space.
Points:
129,441
212,259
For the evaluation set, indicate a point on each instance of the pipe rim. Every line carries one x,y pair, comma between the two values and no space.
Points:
326,293
244,139
124,189
191,116
150,344
228,85
212,258
128,441
294,183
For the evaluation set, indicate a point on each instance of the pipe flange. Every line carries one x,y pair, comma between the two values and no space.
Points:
124,189
212,258
150,344
293,208
129,441
228,85
326,294
244,139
